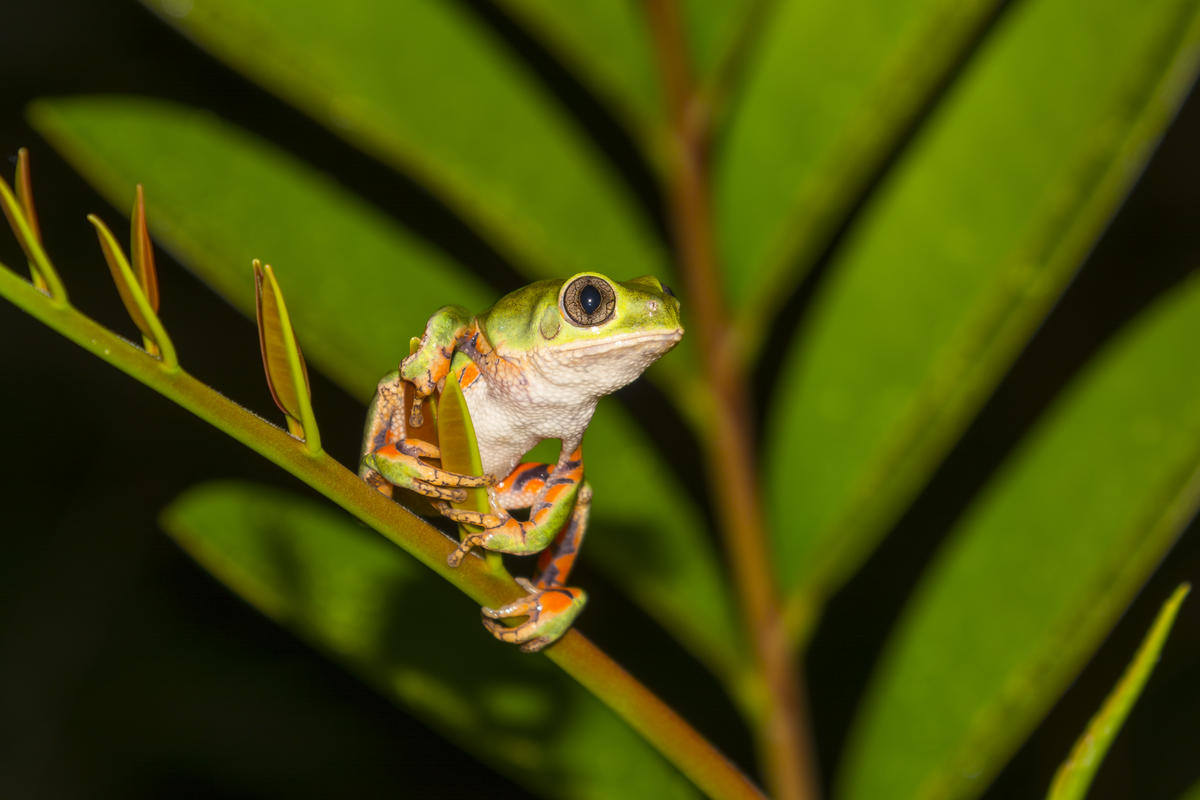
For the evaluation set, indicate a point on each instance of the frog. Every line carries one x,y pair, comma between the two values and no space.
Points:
531,368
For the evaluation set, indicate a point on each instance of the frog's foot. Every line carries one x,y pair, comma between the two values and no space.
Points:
400,464
549,611
499,531
470,539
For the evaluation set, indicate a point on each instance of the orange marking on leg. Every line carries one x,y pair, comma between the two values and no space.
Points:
439,370
564,563
554,491
389,450
555,602
527,479
468,374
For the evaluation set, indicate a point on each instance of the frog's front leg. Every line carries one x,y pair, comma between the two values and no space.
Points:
427,367
391,457
559,501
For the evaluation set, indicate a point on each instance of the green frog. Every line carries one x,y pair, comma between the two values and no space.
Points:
531,367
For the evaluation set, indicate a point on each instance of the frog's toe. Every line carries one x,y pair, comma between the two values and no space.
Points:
549,613
470,540
468,517
448,494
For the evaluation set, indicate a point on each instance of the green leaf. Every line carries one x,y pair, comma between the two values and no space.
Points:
955,263
427,87
1193,792
607,44
133,296
610,44
283,361
456,439
1038,569
24,226
359,287
829,90
650,538
23,194
220,197
715,32
413,637
1075,775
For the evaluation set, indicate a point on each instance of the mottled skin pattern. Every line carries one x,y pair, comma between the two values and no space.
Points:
531,368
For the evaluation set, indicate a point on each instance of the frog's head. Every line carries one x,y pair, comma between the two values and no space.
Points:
587,332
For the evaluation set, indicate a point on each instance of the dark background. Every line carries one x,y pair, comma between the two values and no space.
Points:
125,671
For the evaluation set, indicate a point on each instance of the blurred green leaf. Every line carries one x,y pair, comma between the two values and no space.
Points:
716,31
358,288
652,540
220,197
955,263
1075,775
608,45
830,88
411,636
428,88
1038,569
1193,793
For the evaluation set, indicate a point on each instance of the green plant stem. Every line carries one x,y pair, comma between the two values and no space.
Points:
669,733
784,740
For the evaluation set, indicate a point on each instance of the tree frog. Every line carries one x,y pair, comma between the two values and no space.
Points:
531,367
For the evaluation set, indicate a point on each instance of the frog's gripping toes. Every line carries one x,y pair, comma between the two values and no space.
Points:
549,613
530,368
559,502
391,458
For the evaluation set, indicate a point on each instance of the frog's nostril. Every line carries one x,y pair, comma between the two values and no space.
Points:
667,291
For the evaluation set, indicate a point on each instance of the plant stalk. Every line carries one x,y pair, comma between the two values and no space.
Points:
661,726
785,744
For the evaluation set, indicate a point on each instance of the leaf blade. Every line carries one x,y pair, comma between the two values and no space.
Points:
829,92
427,88
608,45
351,594
1038,569
1075,775
896,361
283,361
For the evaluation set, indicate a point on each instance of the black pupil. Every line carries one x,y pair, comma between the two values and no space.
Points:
590,299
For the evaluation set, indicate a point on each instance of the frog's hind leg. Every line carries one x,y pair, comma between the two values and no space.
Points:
550,495
559,501
550,606
556,561
385,424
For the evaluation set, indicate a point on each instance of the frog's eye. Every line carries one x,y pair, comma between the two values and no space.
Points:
589,300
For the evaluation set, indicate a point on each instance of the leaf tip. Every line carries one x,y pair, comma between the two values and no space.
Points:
133,296
142,250
22,219
283,361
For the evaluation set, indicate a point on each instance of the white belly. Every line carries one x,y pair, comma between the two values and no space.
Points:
511,422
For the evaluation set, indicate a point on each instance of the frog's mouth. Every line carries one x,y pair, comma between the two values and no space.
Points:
624,340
